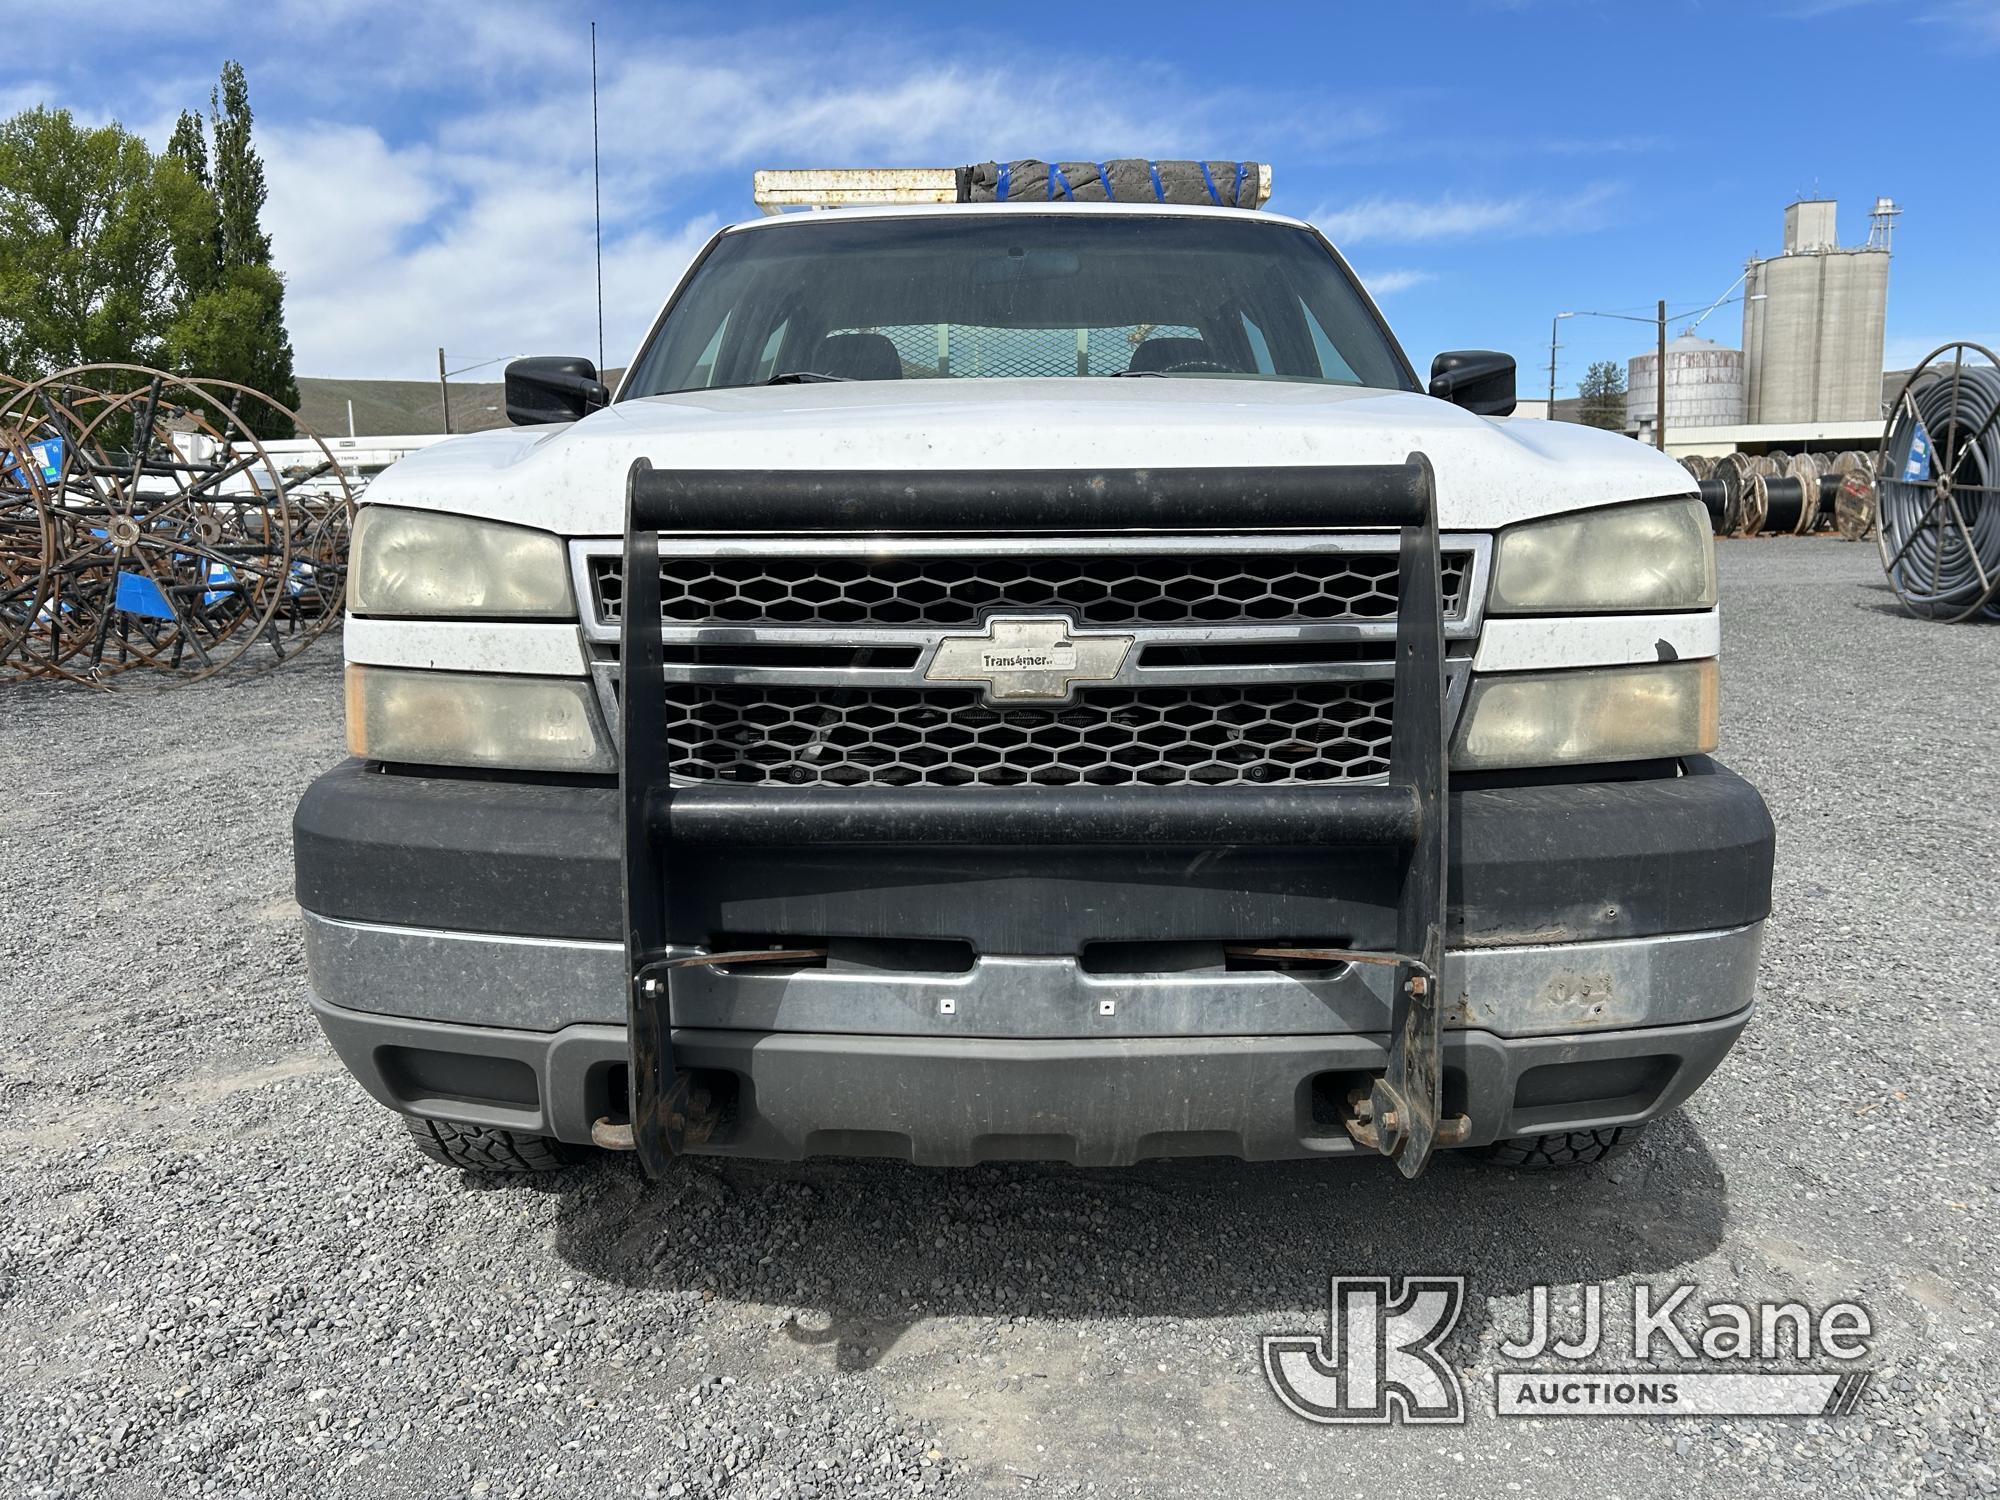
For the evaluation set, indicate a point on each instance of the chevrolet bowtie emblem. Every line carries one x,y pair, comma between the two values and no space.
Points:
1028,658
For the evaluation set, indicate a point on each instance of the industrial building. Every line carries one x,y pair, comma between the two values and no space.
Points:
1809,374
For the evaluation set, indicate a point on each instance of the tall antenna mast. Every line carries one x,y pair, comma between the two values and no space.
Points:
596,197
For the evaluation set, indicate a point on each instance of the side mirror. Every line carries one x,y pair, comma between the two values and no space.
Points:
553,388
1480,380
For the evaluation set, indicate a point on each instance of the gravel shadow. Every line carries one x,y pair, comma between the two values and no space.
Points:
862,1251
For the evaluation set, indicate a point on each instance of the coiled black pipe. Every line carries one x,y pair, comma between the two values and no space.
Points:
1715,496
1939,528
1787,506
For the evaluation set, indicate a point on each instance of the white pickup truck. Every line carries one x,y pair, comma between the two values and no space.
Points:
1030,679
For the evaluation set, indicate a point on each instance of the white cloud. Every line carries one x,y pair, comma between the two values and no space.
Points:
1977,22
430,166
478,234
1388,283
1413,220
388,254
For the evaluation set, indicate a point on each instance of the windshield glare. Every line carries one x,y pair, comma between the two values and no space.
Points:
1019,295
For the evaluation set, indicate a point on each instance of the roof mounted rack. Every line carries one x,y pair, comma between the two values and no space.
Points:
1213,184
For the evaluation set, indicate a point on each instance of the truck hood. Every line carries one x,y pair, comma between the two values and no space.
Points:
570,478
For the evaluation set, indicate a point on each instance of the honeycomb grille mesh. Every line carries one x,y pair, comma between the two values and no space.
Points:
1151,736
959,592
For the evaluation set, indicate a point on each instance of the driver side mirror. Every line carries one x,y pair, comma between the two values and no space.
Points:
553,388
1480,380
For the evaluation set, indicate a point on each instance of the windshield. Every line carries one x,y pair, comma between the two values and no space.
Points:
1018,294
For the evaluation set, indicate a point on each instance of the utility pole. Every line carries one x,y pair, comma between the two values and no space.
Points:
444,391
1554,323
1660,386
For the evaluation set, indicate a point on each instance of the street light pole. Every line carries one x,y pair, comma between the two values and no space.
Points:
1660,412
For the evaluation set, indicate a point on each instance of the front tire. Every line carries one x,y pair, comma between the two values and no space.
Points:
486,1151
1570,1148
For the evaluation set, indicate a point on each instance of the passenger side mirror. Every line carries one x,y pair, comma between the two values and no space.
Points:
1480,380
553,388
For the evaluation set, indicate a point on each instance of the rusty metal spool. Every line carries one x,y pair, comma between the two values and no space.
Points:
173,547
319,502
27,546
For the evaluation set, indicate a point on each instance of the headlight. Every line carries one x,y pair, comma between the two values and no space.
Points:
425,563
1656,555
474,719
1589,715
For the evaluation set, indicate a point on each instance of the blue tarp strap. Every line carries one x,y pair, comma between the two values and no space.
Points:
1000,187
1212,193
1104,176
1236,193
1159,190
1056,176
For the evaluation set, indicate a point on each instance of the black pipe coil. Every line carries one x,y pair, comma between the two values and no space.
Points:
1927,555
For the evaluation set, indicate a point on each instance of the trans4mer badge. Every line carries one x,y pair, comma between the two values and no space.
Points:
1028,658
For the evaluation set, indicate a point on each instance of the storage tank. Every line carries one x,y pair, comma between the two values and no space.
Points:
1813,322
1704,387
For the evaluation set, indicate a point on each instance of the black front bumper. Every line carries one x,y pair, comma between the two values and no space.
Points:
1528,864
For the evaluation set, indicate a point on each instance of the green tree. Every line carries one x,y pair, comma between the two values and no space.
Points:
232,326
198,257
90,222
1602,396
239,172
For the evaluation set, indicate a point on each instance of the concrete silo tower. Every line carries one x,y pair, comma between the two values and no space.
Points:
1813,319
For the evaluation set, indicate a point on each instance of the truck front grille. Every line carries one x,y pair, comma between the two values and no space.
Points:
1256,658
956,592
1301,732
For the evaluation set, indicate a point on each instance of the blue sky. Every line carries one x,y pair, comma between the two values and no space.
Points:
1484,163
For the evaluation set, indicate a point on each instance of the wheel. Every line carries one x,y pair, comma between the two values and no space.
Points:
1575,1148
486,1151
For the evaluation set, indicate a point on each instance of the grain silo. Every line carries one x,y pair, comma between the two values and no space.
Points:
1812,321
1704,387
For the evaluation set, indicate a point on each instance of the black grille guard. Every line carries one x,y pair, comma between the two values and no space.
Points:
1401,1116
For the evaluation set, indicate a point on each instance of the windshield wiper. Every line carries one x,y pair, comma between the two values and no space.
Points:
803,377
1123,374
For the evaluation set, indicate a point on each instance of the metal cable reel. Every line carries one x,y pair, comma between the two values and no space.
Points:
319,502
1937,480
173,536
27,546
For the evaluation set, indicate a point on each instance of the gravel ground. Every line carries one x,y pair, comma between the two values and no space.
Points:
223,1271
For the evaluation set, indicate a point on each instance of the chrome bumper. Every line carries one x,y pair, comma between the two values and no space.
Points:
546,984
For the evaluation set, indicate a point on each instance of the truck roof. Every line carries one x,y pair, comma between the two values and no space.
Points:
931,210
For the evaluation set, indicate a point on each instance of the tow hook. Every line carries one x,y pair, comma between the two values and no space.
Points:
1368,1130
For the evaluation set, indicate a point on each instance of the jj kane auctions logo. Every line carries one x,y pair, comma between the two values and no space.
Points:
1379,1360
